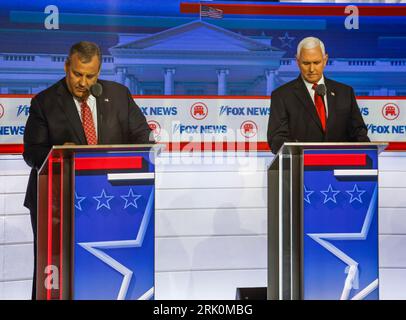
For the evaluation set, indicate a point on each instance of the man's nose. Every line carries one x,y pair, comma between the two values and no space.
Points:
82,81
311,68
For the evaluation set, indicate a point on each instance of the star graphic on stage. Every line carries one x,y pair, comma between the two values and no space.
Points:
358,193
78,201
103,200
130,199
353,267
286,40
97,249
330,194
307,194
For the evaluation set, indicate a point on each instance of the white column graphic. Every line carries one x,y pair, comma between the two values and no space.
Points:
169,81
121,75
131,83
222,81
270,81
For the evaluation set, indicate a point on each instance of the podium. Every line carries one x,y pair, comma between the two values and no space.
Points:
323,221
95,234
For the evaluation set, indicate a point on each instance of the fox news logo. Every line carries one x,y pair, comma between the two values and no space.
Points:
390,111
1,111
196,129
12,130
248,129
23,109
244,111
199,111
159,111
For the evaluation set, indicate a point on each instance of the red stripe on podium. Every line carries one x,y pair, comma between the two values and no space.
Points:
396,146
108,163
49,224
335,160
11,148
61,253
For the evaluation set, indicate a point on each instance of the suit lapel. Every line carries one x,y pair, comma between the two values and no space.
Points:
69,108
331,102
302,93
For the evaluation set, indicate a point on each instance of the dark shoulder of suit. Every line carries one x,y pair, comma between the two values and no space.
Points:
285,88
50,92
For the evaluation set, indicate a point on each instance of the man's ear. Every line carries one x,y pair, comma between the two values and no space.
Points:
325,58
66,66
297,60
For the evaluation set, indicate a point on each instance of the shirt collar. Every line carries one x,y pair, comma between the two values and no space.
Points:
309,85
90,99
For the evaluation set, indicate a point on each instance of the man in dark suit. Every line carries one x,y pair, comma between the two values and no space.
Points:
313,108
67,112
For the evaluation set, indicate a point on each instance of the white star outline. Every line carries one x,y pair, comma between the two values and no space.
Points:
77,204
94,249
351,280
103,203
132,202
327,197
307,194
358,191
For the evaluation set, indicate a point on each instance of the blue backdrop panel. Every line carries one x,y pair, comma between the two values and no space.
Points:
341,228
126,30
114,235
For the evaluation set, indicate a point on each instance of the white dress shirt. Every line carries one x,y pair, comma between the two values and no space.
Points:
91,102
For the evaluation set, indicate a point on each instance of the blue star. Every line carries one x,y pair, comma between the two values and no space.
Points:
96,249
353,267
307,195
330,194
78,200
286,40
358,193
104,200
132,202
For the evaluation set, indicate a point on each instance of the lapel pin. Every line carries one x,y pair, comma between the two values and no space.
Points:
332,93
106,100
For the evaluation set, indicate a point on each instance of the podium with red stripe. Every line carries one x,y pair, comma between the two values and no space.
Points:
323,221
96,223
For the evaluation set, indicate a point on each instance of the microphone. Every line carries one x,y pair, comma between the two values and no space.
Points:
321,90
96,89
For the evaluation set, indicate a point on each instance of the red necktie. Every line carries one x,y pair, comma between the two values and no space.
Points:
88,124
318,101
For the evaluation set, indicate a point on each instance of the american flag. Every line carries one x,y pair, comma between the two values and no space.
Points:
211,12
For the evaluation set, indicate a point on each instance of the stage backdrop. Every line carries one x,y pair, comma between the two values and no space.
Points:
204,77
238,50
221,123
168,47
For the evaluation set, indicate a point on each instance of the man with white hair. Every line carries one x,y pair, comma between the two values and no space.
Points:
313,108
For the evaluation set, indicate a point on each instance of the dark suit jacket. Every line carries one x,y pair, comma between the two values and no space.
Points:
54,120
294,117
